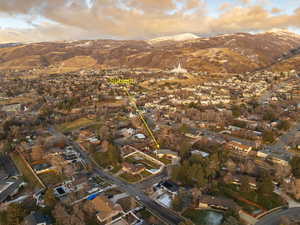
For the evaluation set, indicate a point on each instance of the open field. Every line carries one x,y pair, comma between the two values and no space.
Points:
83,122
130,178
138,158
51,178
203,217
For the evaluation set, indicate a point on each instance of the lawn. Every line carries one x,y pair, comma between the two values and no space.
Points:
26,172
51,178
165,160
130,178
145,174
204,217
76,124
265,201
147,163
116,169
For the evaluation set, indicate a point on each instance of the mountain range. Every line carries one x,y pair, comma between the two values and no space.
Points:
229,53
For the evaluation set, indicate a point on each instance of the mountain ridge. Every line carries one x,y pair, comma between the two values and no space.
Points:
228,53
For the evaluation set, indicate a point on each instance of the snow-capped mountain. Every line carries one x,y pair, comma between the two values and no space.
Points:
179,37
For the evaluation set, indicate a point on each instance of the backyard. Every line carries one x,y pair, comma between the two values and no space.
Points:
204,217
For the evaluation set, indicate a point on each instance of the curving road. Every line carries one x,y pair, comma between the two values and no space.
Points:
274,218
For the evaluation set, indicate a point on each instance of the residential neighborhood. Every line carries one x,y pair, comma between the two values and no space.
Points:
87,148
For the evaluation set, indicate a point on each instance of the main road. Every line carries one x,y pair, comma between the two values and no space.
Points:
166,215
275,217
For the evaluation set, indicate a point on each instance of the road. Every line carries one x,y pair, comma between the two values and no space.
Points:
275,217
166,215
153,180
284,139
292,203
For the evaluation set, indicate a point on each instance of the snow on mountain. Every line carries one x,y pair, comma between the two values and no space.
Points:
179,37
282,32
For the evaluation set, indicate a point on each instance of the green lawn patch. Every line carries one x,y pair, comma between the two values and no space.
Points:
145,174
268,202
130,178
76,124
203,217
51,178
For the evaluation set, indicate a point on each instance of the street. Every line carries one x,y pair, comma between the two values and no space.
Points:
166,215
275,218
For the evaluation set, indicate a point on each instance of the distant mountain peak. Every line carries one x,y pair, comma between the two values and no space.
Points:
178,37
282,32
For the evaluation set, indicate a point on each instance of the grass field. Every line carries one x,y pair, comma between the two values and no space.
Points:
130,178
76,124
203,217
138,158
27,173
50,178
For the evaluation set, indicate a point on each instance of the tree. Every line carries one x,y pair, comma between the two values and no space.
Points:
177,203
295,164
50,199
265,186
269,115
114,155
236,110
184,150
245,187
186,222
284,125
268,136
15,214
37,153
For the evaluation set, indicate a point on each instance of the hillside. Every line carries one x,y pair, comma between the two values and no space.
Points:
231,53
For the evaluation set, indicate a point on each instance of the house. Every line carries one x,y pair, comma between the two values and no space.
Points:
167,153
9,187
201,153
78,182
132,169
105,208
168,186
207,201
237,180
241,148
38,218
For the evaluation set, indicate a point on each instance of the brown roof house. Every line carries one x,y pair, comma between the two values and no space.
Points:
105,208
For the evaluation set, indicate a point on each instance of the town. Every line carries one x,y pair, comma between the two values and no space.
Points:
137,146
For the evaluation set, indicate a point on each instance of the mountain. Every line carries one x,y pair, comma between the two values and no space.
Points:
5,45
232,53
179,37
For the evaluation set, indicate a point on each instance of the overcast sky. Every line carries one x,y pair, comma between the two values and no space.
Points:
48,20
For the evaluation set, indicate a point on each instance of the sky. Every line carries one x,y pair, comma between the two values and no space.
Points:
58,20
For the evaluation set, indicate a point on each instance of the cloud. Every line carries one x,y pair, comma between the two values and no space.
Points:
276,10
245,1
136,19
225,6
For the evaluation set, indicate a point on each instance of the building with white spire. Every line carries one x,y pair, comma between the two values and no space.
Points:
179,69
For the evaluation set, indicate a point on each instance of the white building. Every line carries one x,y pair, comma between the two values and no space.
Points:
179,69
